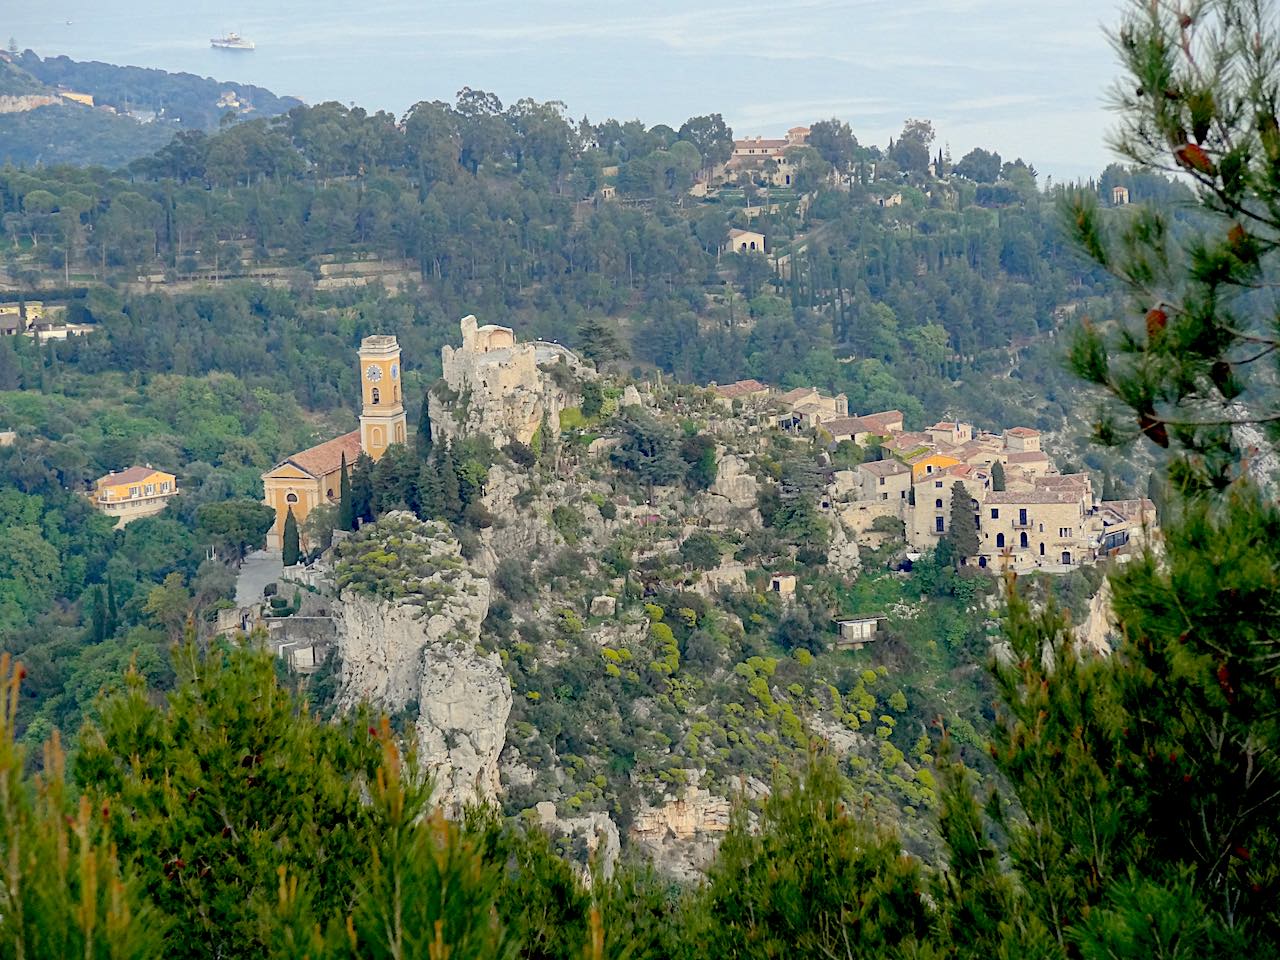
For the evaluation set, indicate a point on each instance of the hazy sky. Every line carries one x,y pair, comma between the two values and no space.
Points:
1025,77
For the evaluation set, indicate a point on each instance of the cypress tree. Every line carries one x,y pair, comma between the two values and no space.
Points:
98,616
424,427
450,491
430,490
346,514
997,476
113,615
292,549
963,533
362,489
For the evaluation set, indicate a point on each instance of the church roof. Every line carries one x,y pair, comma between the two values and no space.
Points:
326,458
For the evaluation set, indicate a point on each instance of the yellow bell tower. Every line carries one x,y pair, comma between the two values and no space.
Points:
382,421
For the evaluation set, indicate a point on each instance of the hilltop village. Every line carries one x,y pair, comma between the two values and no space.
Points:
1026,514
637,518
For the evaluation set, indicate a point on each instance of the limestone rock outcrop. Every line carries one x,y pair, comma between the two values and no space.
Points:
731,498
1099,625
407,629
682,834
602,840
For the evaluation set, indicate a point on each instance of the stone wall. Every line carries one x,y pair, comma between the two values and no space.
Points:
499,391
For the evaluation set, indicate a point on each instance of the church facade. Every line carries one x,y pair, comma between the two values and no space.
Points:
312,477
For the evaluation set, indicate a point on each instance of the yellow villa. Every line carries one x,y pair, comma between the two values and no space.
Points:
133,493
308,479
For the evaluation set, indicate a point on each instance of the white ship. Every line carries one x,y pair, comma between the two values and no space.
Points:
232,41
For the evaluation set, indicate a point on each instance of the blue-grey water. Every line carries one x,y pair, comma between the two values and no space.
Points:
1024,77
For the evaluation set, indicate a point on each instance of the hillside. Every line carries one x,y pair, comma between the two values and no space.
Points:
132,111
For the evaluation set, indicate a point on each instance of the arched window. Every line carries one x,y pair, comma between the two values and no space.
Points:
1042,549
1023,539
938,504
329,493
377,397
291,498
999,539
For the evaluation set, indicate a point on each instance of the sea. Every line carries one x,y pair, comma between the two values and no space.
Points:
1027,78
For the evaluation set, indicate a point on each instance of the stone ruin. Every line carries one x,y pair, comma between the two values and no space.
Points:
495,386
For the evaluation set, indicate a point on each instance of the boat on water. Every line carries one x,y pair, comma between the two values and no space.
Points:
232,41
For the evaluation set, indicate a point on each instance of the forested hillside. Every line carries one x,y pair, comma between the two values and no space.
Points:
135,111
947,304
977,781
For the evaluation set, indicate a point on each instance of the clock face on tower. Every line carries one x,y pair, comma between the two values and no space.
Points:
373,373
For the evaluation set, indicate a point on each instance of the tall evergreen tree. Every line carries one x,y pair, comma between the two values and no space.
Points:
963,529
431,489
450,490
292,550
997,476
362,506
346,511
98,618
424,428
113,614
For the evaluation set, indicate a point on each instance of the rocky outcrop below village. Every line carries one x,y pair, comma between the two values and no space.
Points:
408,625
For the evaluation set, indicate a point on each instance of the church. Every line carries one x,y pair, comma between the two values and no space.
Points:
305,480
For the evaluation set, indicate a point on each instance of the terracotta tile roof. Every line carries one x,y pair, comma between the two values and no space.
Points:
796,395
1022,432
1129,509
742,388
1016,498
1028,456
881,421
326,458
884,468
874,423
132,475
734,233
943,425
1062,480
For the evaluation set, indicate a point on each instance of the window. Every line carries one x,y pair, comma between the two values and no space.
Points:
937,484
1042,549
164,487
999,539
133,491
938,504
902,494
291,498
937,524
1064,532
1022,540
149,489
329,493
1022,517
884,496
882,481
377,397
928,468
995,514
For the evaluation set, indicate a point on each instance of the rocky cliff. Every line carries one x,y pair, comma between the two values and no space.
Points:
408,624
